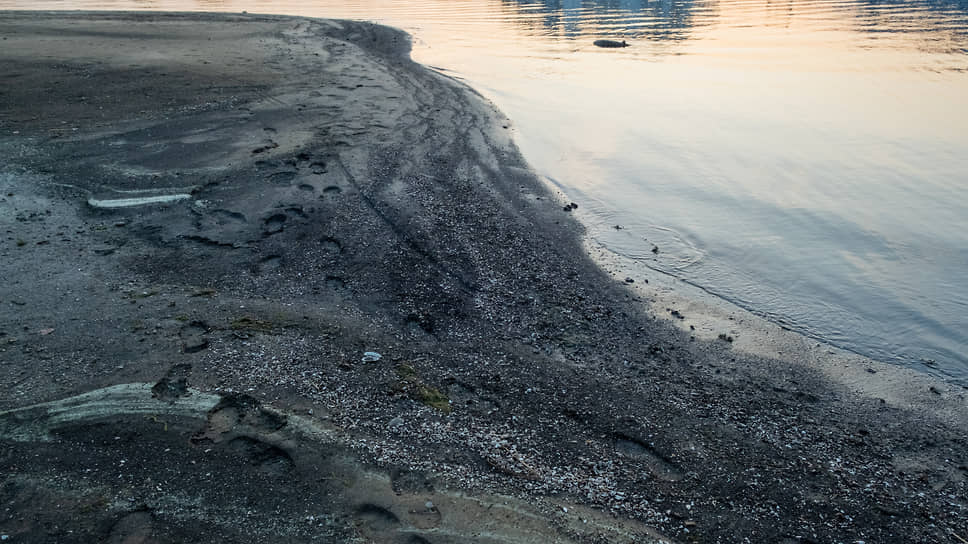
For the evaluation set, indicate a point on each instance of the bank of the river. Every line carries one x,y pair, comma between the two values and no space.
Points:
192,367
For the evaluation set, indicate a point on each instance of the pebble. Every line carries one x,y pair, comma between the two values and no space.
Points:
371,357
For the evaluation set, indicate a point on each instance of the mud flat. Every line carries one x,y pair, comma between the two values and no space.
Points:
209,220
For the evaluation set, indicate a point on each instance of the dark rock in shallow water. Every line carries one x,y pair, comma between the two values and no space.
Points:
611,43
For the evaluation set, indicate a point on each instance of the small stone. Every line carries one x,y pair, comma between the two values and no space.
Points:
629,280
371,357
395,422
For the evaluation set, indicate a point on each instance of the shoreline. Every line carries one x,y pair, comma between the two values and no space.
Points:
709,309
203,371
706,316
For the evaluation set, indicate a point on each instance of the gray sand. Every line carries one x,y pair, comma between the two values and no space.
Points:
209,219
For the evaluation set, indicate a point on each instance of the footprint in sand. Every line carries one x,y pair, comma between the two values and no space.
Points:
237,411
267,164
174,384
331,246
335,283
274,224
135,526
269,145
193,336
264,456
425,518
269,264
225,217
318,168
377,518
283,177
655,463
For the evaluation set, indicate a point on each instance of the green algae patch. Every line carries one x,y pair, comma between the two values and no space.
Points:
412,386
247,323
431,396
406,372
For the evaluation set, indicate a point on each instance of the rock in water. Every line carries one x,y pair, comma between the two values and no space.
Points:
610,43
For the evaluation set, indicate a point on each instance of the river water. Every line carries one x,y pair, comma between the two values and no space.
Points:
805,160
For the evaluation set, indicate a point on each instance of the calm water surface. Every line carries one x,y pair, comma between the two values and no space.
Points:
807,160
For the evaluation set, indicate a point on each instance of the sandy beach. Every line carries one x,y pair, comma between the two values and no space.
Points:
265,278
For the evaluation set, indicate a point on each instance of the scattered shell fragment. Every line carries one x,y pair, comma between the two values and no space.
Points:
140,201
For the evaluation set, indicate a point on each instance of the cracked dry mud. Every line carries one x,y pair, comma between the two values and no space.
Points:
207,221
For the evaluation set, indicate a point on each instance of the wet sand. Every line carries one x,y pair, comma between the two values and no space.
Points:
208,220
